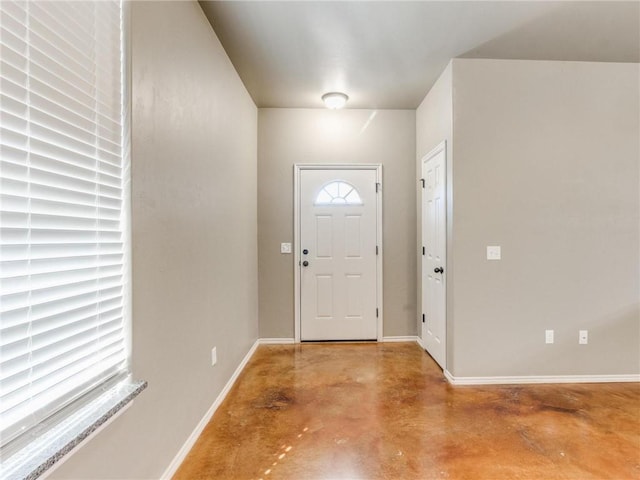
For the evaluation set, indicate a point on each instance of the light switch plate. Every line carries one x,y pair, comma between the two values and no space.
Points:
493,252
548,336
285,248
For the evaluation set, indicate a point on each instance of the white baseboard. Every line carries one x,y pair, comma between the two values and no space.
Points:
276,341
291,341
507,380
182,453
419,340
409,338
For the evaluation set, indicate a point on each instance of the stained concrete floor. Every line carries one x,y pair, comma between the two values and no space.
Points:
384,411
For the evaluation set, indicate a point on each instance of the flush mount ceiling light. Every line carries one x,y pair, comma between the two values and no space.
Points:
334,100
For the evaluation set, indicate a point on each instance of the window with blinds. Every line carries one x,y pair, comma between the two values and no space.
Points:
64,268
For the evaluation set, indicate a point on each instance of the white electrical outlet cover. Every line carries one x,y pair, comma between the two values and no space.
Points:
583,337
548,336
493,252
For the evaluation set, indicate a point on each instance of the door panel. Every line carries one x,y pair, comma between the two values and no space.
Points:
324,239
433,261
353,242
324,296
354,296
338,227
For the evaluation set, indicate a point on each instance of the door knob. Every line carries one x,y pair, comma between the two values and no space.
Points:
438,270
305,264
305,251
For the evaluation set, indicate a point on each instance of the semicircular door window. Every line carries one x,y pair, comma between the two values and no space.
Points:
338,193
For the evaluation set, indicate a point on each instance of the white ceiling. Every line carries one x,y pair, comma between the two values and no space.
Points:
388,54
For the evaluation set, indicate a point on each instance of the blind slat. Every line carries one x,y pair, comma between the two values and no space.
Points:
71,316
42,346
68,376
69,336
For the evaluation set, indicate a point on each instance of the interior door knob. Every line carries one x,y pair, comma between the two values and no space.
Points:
305,251
438,270
305,264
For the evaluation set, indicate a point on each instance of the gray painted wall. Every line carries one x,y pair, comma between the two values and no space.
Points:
545,163
546,158
194,239
289,136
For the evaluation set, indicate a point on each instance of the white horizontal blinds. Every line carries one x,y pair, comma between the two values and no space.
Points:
62,220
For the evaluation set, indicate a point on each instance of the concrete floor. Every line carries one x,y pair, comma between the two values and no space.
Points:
384,411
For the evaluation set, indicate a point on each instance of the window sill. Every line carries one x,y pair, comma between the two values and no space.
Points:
49,448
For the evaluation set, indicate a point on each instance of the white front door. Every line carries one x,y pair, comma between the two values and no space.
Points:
434,243
337,245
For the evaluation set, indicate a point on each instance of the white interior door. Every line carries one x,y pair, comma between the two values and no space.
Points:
338,231
434,239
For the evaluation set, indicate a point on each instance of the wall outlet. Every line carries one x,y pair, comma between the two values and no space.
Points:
583,337
494,252
285,248
214,356
548,336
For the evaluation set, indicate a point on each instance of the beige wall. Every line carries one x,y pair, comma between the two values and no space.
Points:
434,117
289,136
546,163
194,239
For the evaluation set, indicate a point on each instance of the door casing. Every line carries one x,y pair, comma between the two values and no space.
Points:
296,235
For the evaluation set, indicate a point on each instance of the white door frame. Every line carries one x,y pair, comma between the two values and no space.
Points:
298,167
441,147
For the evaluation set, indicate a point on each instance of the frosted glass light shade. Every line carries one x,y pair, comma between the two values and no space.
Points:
335,100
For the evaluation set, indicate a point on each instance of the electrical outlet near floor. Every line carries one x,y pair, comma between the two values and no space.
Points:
583,337
214,356
548,336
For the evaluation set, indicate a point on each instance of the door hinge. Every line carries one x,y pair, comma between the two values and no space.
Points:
422,181
376,249
376,313
378,187
423,250
423,318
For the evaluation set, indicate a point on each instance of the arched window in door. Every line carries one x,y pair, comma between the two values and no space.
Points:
338,192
